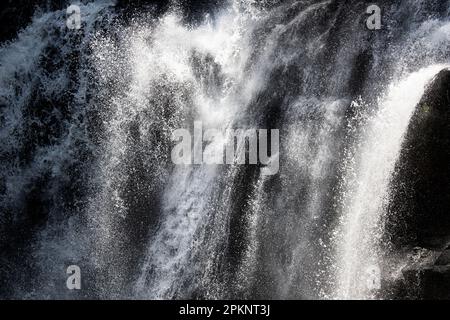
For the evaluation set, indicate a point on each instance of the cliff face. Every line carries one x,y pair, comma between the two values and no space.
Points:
421,186
421,194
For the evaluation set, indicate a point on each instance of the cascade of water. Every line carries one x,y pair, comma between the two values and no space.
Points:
85,140
366,195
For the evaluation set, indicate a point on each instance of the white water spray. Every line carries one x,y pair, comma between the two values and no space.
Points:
365,196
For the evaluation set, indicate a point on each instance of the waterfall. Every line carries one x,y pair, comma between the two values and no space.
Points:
365,196
175,255
86,124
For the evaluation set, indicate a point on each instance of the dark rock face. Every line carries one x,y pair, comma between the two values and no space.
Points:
421,186
428,282
16,14
427,275
419,215
444,258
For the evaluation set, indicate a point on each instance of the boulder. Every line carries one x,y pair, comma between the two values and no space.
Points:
444,258
419,211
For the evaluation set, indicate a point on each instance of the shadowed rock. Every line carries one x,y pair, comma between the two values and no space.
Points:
419,213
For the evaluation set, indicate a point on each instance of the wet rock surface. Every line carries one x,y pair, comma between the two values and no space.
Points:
421,186
427,277
419,213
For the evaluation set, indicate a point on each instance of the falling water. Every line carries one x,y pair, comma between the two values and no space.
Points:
87,118
367,184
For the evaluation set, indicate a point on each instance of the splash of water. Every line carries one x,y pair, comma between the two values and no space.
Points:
367,184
